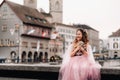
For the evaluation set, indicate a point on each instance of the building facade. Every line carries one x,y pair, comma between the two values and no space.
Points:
114,44
30,31
67,32
25,33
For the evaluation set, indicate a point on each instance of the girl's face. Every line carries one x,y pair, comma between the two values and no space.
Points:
79,35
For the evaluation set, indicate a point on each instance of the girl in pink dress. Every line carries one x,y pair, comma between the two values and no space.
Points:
78,61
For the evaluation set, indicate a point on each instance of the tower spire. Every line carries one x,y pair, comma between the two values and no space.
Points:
56,10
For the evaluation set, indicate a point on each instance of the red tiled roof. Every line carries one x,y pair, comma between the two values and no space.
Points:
115,34
22,11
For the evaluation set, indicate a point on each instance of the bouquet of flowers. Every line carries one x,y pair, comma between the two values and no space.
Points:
81,44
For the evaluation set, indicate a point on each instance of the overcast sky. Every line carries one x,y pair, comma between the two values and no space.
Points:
102,15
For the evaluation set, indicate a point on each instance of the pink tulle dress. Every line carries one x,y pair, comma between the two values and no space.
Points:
82,67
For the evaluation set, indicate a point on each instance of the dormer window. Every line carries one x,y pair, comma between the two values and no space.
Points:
4,9
44,21
28,17
16,27
33,18
39,20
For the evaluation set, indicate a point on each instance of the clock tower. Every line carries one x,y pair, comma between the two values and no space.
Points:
56,10
30,3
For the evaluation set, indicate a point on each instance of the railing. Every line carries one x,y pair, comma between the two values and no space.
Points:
30,61
47,72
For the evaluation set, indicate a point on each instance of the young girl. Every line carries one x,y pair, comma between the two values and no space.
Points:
78,61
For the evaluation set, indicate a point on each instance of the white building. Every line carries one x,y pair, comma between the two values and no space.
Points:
68,32
114,44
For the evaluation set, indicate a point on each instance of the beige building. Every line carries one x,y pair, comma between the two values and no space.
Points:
24,33
35,29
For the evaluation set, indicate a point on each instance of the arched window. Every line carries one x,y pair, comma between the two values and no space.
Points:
13,56
23,56
115,45
30,56
57,5
35,57
46,57
31,1
115,54
40,56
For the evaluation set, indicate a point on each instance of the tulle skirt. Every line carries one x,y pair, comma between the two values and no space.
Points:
80,68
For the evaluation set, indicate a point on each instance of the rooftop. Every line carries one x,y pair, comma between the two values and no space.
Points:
27,15
115,34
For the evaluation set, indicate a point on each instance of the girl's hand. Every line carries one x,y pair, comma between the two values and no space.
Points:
78,48
75,50
83,51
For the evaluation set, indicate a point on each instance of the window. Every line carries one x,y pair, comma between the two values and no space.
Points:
16,27
4,16
28,17
44,21
50,50
8,42
31,1
115,45
57,5
4,28
4,9
34,45
2,42
39,20
41,46
44,33
25,44
117,39
13,43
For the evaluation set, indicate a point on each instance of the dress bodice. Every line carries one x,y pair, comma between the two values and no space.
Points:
78,54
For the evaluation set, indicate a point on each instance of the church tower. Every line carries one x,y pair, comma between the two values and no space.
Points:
56,10
30,3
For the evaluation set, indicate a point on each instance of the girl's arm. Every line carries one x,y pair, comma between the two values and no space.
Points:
84,51
74,51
